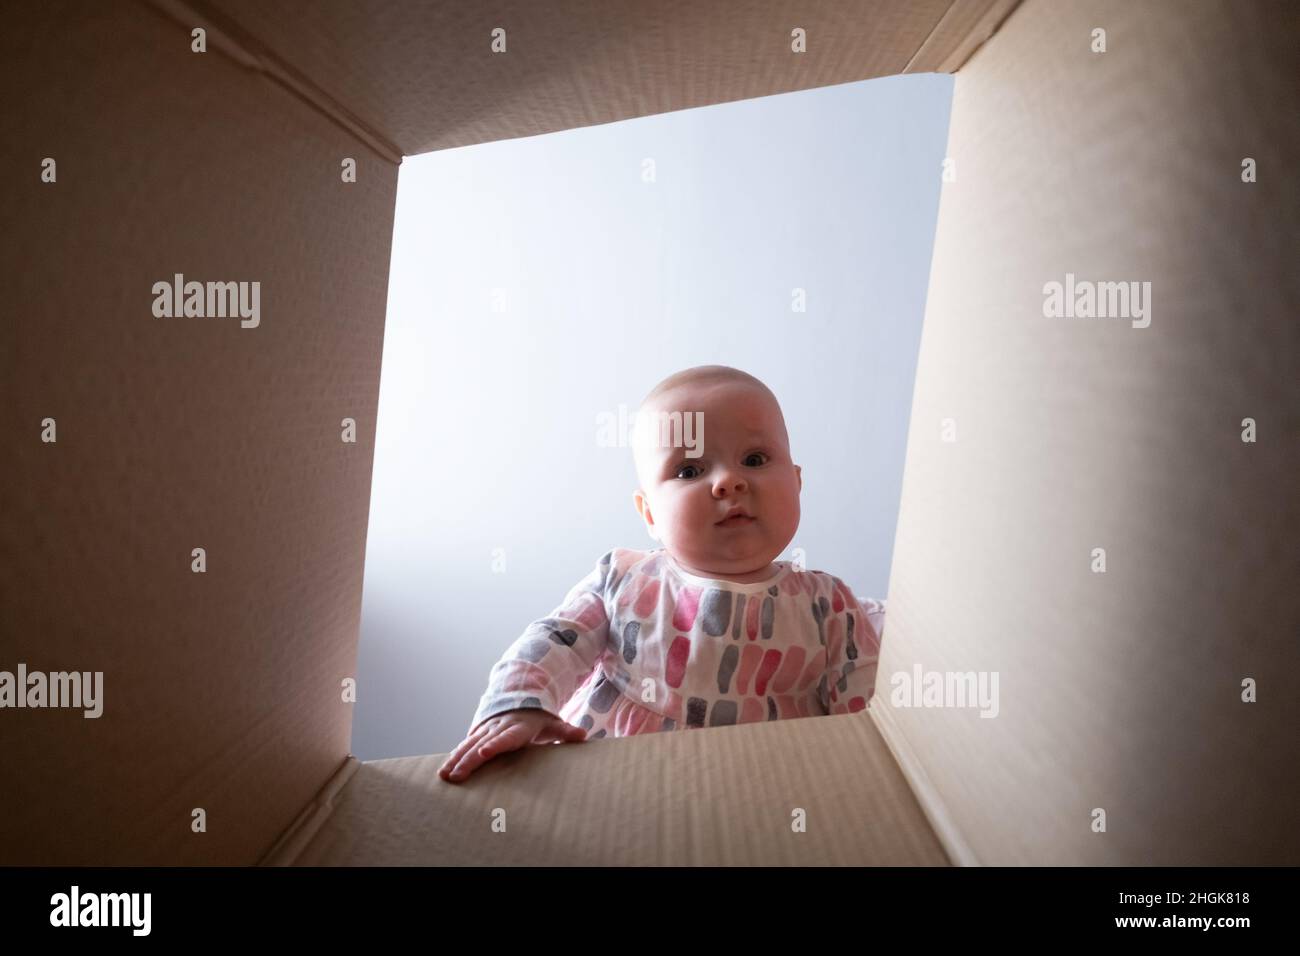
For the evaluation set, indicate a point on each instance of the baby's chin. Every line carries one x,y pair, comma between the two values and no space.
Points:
736,559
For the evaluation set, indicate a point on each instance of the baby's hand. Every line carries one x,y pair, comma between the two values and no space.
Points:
505,732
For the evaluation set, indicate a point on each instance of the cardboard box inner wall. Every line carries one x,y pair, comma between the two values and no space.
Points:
1118,690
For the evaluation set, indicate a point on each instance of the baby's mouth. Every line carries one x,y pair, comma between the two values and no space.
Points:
735,521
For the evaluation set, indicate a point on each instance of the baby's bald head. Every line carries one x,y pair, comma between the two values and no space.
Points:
682,392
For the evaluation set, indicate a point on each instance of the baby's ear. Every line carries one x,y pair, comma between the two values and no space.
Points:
798,470
642,504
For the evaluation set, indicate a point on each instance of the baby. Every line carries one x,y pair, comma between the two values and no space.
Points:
705,631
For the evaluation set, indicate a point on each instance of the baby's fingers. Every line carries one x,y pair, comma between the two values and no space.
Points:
512,738
479,734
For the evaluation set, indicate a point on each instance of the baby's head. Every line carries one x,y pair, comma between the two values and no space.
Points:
732,451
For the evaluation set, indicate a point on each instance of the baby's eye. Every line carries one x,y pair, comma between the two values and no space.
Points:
684,468
757,454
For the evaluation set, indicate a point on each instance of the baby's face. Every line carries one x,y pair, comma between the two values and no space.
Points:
743,462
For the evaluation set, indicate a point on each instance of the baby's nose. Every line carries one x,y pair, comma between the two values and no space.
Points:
731,483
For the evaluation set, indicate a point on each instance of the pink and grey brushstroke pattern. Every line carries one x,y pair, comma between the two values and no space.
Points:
640,646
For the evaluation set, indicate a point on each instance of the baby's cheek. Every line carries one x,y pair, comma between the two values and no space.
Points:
692,526
789,516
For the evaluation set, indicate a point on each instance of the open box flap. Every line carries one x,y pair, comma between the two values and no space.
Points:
806,791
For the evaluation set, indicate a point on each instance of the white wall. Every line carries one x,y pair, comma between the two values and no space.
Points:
487,435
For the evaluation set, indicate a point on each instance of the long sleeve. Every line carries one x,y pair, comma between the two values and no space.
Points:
555,654
852,652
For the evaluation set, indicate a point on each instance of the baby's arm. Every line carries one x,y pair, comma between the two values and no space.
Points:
554,655
538,673
853,653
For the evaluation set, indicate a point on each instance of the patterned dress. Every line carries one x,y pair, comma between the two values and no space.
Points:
640,645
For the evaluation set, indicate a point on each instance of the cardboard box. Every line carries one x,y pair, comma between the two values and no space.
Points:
224,736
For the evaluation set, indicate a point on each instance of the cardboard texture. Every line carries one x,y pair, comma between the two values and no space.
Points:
720,796
222,690
1121,690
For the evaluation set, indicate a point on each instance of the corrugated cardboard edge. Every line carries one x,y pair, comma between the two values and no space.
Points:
946,50
962,30
935,810
241,46
311,819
